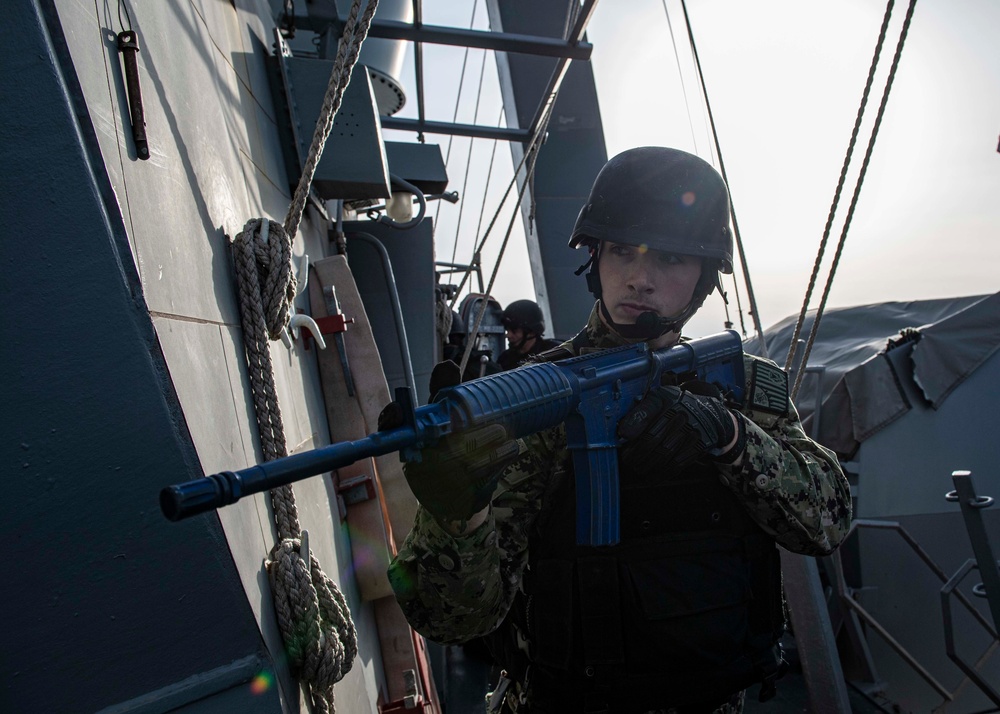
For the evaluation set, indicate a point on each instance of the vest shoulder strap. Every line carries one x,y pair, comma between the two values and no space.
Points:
568,349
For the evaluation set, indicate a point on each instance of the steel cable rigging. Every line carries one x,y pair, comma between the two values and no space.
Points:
854,199
468,159
454,117
694,141
722,168
530,156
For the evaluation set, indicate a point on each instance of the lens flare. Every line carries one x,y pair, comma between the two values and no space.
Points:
643,249
687,198
261,683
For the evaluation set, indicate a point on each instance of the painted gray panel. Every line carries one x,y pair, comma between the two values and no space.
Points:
93,430
265,151
257,44
412,256
222,23
192,189
567,163
353,164
222,431
95,54
906,467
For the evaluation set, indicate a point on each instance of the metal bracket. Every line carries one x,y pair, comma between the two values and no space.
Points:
357,489
972,505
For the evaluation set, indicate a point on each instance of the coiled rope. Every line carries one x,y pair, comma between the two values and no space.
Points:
854,199
315,621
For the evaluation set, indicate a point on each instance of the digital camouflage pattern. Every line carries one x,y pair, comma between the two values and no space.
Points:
456,588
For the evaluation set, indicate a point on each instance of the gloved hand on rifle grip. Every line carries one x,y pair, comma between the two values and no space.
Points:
455,478
672,427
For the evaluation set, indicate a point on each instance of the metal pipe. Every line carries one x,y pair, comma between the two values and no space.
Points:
923,555
900,650
555,81
971,672
418,61
461,37
397,310
814,636
972,505
452,129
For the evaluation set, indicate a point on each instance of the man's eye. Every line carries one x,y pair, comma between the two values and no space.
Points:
671,259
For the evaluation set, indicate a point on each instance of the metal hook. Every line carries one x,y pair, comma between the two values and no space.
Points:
302,279
307,322
300,286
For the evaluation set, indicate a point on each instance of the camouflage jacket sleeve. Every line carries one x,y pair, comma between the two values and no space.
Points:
793,487
456,588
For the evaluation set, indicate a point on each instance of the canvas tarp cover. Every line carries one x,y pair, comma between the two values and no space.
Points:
855,386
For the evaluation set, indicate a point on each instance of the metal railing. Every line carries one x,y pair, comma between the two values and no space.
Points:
990,589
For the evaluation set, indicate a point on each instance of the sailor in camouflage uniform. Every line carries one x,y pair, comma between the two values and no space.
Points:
685,612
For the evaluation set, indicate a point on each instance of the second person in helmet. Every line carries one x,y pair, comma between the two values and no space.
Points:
524,325
686,611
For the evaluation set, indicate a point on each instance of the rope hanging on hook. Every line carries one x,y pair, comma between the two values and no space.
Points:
315,621
854,199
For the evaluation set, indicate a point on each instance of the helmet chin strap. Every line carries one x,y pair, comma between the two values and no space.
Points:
648,325
516,346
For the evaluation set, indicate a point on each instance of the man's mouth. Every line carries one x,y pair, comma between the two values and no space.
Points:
636,308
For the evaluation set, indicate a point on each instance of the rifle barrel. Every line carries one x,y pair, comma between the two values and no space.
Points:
205,494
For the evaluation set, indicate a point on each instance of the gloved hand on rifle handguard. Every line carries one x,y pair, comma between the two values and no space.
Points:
672,427
455,478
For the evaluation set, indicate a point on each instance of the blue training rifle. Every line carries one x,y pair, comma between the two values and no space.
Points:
589,393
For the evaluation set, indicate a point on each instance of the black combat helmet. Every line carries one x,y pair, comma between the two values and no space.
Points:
524,314
458,331
662,199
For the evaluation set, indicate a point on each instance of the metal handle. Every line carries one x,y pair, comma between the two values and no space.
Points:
128,45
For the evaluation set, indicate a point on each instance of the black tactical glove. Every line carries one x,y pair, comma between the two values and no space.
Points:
672,427
456,477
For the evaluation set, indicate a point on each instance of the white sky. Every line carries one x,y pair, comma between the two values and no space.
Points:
785,81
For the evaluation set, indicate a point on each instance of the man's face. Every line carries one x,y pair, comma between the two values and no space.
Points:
636,280
514,336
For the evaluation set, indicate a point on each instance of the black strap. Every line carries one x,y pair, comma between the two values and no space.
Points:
554,354
600,612
579,341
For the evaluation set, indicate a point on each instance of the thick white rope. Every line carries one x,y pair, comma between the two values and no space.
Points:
315,621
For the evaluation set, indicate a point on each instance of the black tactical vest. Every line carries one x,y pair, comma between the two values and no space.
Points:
685,610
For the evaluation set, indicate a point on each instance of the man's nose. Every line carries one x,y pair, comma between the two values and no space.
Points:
640,277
